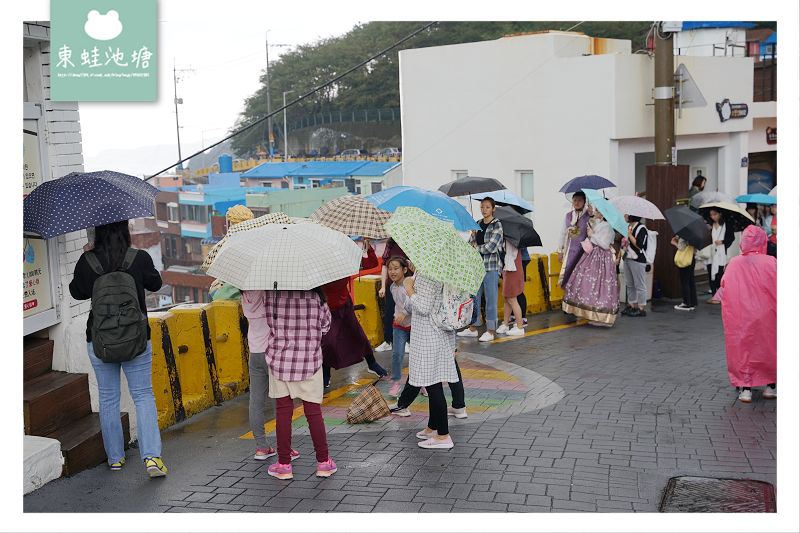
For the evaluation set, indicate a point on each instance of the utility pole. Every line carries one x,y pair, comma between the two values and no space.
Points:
664,98
667,181
177,101
269,104
285,134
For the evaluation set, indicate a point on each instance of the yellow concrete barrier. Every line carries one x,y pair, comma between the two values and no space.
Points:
196,369
226,325
166,387
556,292
365,293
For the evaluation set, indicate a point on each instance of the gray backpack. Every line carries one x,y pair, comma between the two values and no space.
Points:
119,328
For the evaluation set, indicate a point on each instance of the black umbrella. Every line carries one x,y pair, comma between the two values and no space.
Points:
689,225
517,229
471,185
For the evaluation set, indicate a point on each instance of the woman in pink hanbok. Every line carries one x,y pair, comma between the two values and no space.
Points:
592,291
748,294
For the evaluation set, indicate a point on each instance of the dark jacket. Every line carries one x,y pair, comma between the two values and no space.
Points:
143,271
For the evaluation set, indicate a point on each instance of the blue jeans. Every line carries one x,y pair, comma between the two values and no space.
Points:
139,373
399,339
489,290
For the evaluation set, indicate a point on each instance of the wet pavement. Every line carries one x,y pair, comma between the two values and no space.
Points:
569,418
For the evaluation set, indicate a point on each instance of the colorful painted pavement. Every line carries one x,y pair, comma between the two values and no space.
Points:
492,388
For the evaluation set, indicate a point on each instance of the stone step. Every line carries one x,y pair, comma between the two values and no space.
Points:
82,442
42,462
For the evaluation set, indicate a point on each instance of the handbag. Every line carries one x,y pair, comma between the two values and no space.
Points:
683,258
368,406
705,254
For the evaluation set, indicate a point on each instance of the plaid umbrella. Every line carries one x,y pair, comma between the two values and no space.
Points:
272,218
286,257
352,215
83,200
436,249
638,207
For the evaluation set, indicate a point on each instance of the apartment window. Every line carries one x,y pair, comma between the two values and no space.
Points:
377,186
174,213
458,174
161,211
526,184
195,213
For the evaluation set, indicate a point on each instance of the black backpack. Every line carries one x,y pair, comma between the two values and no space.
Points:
119,328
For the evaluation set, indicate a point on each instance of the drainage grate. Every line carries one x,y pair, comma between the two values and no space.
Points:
688,494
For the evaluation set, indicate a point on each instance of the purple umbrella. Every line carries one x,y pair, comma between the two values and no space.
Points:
591,181
84,200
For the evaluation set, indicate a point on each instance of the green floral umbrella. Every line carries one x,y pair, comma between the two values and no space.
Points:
436,249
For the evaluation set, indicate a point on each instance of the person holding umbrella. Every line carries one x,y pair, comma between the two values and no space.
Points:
722,237
488,240
635,267
573,233
110,253
691,234
686,272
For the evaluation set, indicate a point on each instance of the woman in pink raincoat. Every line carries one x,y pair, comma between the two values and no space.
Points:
748,294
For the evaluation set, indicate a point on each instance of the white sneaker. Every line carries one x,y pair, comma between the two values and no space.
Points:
435,444
770,393
385,347
486,337
408,347
458,413
400,411
467,333
516,332
502,329
683,307
746,396
424,434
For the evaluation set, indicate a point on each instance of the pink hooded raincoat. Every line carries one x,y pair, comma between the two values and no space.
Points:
749,312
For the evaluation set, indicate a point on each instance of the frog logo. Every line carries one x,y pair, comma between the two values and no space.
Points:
102,27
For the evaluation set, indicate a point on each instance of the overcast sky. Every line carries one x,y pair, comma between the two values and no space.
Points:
224,44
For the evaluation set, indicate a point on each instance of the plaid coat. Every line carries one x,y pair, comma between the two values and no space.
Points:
296,321
493,245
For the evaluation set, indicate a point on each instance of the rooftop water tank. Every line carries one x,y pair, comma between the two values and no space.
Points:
225,163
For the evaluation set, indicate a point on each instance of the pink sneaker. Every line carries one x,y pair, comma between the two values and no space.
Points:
262,454
394,390
326,469
280,471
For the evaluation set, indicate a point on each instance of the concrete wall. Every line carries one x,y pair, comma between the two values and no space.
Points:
539,103
63,138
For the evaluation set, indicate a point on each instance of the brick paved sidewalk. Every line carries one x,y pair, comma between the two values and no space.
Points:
607,418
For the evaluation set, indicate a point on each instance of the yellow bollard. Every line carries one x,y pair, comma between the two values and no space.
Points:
166,385
369,308
194,357
226,325
556,292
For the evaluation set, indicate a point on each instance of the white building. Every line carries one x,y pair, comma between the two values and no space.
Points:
537,110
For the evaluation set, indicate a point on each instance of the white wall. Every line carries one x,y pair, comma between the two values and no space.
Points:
494,108
757,138
63,138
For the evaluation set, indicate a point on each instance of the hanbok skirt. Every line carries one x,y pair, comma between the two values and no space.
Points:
345,343
592,291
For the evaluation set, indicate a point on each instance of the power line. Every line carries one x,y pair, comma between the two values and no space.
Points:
300,98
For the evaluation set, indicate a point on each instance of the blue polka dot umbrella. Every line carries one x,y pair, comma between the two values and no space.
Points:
83,200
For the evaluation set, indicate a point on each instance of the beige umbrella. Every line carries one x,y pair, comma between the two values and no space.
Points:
734,214
272,218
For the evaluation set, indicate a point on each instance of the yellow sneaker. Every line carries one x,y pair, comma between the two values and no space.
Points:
155,467
117,465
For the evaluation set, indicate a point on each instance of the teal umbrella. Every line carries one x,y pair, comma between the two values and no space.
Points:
758,198
608,210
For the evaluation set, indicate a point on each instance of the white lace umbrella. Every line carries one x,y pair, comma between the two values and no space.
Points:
286,257
638,207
